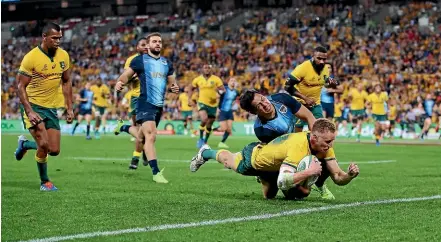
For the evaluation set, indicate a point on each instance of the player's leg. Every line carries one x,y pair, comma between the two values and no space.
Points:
205,153
79,119
223,126
269,184
88,120
40,135
208,127
358,127
320,185
204,118
23,143
296,193
104,113
377,132
426,126
227,132
97,121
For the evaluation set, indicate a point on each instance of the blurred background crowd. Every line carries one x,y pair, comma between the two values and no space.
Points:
397,45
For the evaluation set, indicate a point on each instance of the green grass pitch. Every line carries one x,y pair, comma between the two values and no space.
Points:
99,193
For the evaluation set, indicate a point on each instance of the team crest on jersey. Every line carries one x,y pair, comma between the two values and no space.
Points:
62,65
54,65
283,109
44,67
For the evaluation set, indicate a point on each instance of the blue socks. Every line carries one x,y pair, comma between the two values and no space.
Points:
125,128
154,165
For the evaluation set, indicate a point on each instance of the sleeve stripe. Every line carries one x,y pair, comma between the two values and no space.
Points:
328,159
293,166
24,74
294,78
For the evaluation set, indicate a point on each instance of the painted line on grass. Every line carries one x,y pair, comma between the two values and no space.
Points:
233,220
188,161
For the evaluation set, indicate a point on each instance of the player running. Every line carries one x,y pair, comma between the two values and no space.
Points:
226,113
278,160
358,97
378,101
154,72
101,93
209,86
85,98
307,80
42,71
327,101
141,48
186,109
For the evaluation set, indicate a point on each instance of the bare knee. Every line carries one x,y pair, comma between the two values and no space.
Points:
151,136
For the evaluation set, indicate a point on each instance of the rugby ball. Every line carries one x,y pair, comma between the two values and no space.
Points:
303,165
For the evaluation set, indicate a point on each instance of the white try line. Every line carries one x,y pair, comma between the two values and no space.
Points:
188,161
233,220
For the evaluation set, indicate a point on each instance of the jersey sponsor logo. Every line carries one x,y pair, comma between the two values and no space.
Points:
44,67
157,74
283,109
62,65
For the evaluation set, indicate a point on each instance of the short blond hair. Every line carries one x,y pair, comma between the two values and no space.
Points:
153,34
323,125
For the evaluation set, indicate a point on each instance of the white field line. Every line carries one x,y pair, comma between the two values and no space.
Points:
233,220
188,161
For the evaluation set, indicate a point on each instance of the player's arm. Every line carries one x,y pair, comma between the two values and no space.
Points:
289,177
67,88
338,89
24,77
194,86
340,177
220,87
171,79
124,78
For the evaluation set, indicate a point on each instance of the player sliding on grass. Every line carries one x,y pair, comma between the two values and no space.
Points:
276,163
154,72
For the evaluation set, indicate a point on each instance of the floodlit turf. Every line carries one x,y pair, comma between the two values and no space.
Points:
103,195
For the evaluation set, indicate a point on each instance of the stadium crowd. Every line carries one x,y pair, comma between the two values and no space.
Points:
404,58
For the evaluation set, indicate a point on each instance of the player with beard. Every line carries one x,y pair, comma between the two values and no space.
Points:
141,48
42,71
154,73
305,82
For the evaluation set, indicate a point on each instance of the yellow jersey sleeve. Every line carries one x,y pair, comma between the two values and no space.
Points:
195,83
67,61
219,82
299,72
26,66
106,90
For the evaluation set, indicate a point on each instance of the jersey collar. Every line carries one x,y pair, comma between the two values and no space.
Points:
44,52
153,57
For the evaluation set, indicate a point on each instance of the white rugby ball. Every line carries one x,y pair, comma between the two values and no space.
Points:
303,165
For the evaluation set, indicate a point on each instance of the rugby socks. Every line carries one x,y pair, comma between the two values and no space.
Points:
207,135
225,137
201,132
154,165
30,145
42,169
88,130
135,158
125,128
75,127
209,154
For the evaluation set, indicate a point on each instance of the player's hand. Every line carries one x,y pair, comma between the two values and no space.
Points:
69,116
34,118
119,86
353,170
309,102
174,88
332,82
315,167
